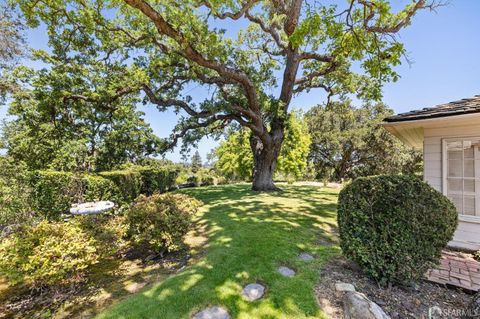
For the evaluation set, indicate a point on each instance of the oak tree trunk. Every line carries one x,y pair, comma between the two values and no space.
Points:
265,161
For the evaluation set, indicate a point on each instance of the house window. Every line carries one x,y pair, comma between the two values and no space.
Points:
462,174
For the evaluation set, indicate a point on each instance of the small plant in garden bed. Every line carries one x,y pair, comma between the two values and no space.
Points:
47,254
394,227
161,221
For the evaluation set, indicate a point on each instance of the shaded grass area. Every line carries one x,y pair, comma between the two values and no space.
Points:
249,236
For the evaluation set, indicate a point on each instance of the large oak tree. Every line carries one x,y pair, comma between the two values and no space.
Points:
282,48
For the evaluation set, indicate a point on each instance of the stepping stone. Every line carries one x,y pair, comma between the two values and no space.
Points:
305,257
253,292
287,272
212,313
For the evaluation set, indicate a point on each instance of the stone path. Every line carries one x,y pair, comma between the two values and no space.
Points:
287,272
305,257
251,292
457,269
212,313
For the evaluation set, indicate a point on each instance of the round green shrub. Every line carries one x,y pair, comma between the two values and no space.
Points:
161,220
394,227
109,232
46,254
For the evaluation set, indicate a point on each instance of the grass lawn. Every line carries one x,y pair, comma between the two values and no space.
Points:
248,236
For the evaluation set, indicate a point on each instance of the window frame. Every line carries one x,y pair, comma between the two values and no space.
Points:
461,216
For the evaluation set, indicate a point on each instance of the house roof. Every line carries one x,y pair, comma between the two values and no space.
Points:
464,106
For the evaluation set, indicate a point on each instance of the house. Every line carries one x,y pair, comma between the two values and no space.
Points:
449,135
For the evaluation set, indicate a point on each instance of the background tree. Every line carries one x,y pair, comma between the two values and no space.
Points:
348,142
12,46
76,116
196,161
235,159
292,45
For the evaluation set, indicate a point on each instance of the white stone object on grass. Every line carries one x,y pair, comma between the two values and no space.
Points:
212,313
305,257
287,272
90,208
253,292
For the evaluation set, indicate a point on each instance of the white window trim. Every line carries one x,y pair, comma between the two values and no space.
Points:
461,217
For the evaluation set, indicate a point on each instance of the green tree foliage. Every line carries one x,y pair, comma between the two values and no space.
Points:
348,142
196,161
12,46
76,116
235,159
294,46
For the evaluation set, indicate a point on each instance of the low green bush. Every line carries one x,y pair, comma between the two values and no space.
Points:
394,227
15,193
129,182
195,180
47,254
222,180
209,180
109,232
161,220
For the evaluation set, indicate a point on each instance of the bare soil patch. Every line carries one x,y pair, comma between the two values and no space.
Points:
397,302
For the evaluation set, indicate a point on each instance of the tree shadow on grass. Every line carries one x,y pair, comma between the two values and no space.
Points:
249,235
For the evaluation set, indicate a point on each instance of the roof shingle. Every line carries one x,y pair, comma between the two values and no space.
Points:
464,106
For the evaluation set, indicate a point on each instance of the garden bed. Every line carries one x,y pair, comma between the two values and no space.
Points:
398,302
110,280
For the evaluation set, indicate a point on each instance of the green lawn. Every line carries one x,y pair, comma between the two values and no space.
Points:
249,236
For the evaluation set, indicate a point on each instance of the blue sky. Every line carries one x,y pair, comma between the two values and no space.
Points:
444,48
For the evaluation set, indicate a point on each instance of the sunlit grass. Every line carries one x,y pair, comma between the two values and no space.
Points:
249,236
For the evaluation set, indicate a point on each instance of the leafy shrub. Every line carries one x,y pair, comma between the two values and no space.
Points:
222,180
45,254
394,227
209,180
129,182
156,179
182,177
54,192
161,220
195,180
15,193
108,231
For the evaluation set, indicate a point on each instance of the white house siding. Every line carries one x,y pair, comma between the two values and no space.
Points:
467,235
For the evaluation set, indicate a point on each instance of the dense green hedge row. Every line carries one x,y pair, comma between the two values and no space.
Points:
54,192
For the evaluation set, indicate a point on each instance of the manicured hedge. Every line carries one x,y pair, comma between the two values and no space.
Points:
128,181
54,191
15,193
394,227
157,180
